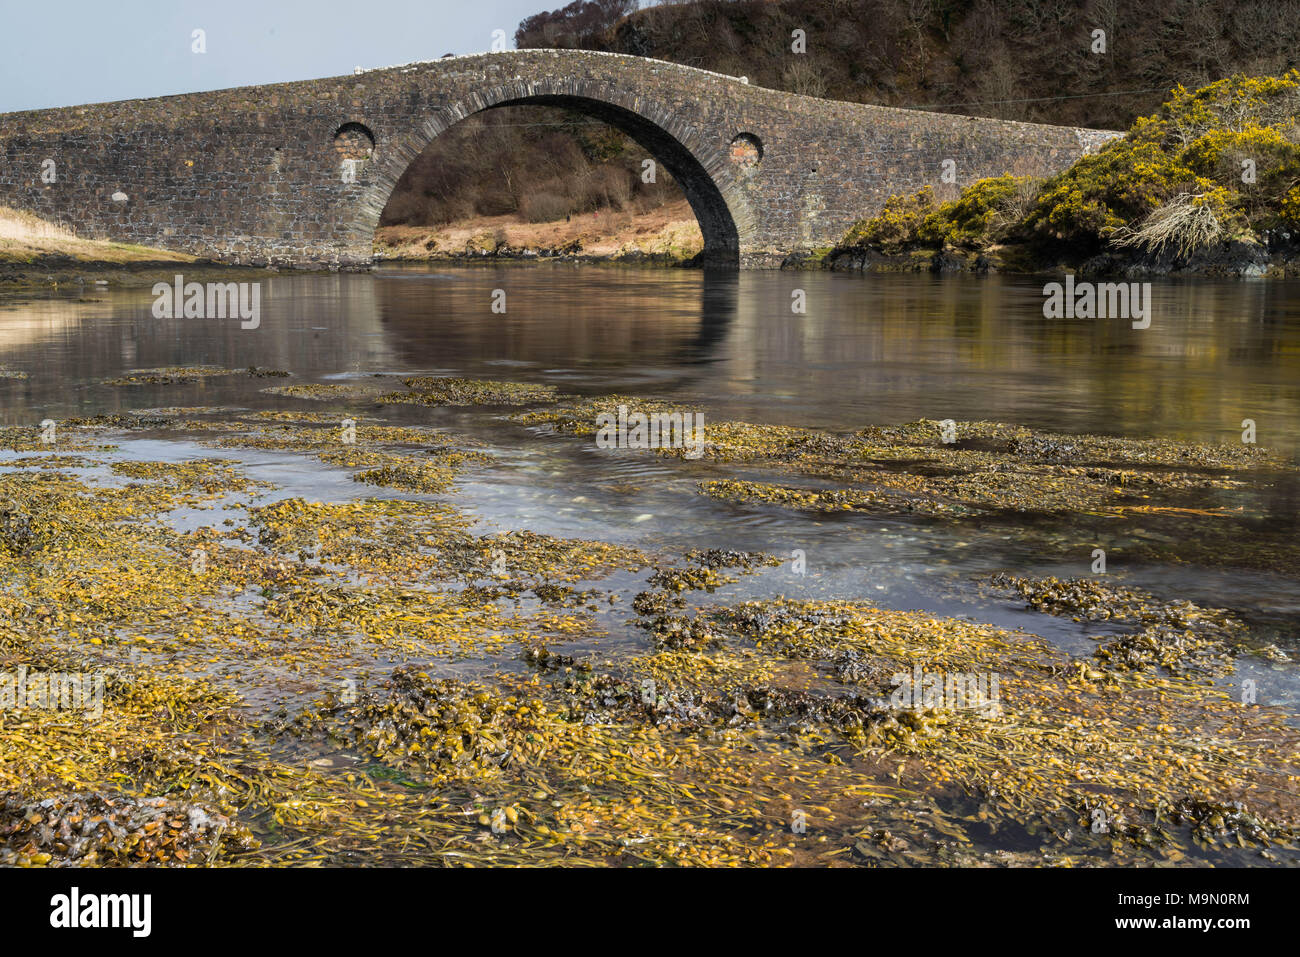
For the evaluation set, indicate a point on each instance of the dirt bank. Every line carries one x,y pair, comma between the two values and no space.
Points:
667,234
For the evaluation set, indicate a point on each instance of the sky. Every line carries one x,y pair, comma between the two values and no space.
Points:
70,52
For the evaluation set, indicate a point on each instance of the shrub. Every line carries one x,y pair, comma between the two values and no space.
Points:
1262,154
1290,211
895,227
1125,182
1181,166
1219,153
544,207
1185,224
1174,181
984,213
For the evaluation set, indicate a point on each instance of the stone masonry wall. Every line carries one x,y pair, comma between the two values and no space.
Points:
280,174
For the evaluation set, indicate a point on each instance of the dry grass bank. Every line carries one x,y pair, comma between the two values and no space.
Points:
669,231
25,238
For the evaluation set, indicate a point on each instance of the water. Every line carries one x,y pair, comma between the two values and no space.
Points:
869,350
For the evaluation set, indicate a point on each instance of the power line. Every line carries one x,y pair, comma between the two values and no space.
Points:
1038,99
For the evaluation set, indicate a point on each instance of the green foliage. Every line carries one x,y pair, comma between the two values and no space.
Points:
1127,180
983,214
1206,145
1221,162
1290,212
897,226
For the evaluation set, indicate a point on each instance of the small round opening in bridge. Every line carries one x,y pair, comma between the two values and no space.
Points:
746,150
354,141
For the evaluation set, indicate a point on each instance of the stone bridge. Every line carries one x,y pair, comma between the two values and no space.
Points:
298,173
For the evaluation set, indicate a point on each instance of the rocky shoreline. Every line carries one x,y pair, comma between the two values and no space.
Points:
1229,260
56,271
570,253
1225,260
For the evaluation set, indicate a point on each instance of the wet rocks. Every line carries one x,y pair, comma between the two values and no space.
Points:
1174,635
433,390
92,829
16,535
675,632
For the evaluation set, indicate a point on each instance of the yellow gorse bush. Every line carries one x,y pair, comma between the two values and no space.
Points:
1231,146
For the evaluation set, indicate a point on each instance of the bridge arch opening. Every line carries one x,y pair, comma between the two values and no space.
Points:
354,141
746,151
663,152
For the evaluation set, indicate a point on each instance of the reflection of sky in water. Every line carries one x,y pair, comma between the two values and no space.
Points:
873,350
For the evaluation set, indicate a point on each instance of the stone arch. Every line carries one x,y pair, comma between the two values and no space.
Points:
701,169
354,141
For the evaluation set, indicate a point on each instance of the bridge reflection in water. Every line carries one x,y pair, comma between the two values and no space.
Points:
874,350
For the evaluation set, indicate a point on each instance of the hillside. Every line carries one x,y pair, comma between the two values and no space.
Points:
1014,59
